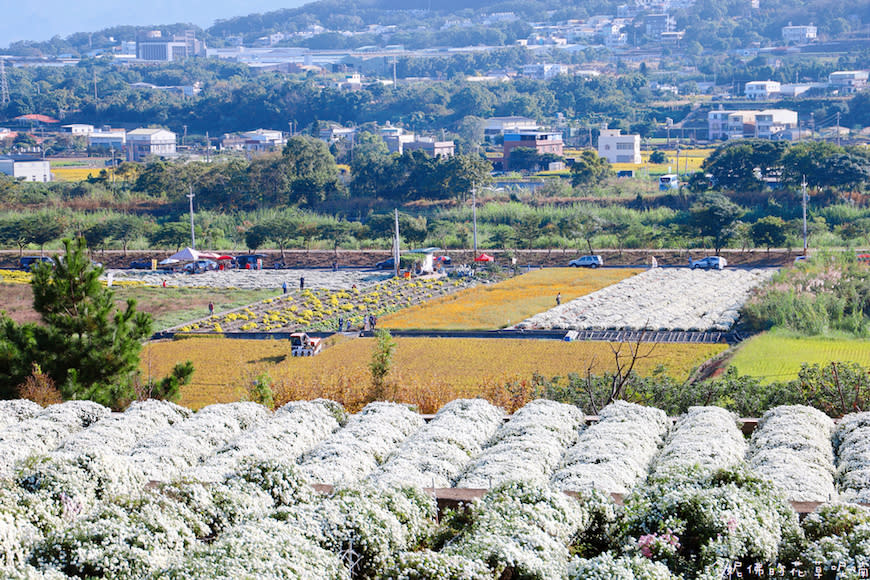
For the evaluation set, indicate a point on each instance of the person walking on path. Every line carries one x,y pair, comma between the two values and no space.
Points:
558,299
340,323
164,282
284,287
211,308
302,282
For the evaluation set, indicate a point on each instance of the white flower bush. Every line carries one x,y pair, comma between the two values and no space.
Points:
45,431
354,452
429,565
792,448
609,567
852,440
119,432
175,449
710,518
436,454
656,299
529,446
838,538
265,549
17,410
705,437
292,430
521,530
615,453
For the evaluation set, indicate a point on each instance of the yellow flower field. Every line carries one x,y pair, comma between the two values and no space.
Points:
427,372
76,173
492,306
15,277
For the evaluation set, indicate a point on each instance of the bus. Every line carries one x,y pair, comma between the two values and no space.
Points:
669,181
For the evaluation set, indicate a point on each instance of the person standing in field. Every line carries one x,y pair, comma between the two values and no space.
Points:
302,282
284,287
558,299
211,308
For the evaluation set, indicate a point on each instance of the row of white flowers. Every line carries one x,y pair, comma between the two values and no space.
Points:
521,530
852,440
170,452
615,453
119,432
528,447
706,437
792,448
292,430
16,410
656,299
45,431
354,452
436,454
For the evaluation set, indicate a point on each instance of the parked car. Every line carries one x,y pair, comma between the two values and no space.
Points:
250,261
587,262
200,266
709,263
388,264
140,265
28,262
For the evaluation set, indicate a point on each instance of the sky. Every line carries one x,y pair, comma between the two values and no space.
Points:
43,19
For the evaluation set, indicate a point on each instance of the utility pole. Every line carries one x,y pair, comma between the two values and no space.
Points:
190,196
804,198
838,128
396,244
4,84
474,215
95,83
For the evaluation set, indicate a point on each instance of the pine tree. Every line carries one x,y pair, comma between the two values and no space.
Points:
86,346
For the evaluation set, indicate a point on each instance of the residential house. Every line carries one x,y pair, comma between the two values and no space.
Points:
766,124
619,148
108,138
848,81
544,71
773,123
501,125
144,142
431,147
541,141
799,34
77,129
26,168
762,90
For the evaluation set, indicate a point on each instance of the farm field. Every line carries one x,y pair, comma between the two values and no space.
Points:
425,372
774,357
488,307
169,306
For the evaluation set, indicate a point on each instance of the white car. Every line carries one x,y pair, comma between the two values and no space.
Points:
709,263
587,262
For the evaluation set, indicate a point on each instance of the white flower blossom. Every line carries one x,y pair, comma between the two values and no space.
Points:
852,439
119,432
435,455
16,410
170,452
353,452
656,300
792,448
706,437
292,430
528,447
615,453
46,431
609,567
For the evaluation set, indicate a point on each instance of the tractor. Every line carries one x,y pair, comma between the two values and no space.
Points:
303,345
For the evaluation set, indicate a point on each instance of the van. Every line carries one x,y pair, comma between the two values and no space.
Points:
28,262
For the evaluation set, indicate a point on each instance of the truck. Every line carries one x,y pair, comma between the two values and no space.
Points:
303,345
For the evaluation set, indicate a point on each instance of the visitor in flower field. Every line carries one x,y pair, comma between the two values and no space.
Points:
302,282
558,299
210,308
284,287
340,323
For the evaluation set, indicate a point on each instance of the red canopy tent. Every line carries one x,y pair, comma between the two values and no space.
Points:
484,258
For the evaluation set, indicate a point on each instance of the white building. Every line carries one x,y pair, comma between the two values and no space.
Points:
773,123
144,142
544,71
78,129
501,125
760,90
799,34
432,147
619,148
112,139
848,81
26,168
